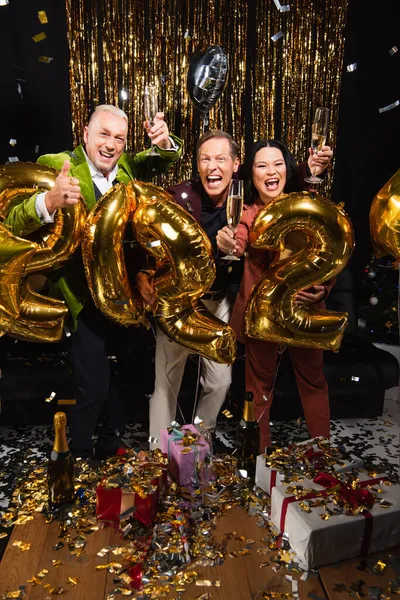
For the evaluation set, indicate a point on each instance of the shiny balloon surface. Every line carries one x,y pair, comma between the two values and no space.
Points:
31,315
384,219
207,76
272,313
186,270
103,257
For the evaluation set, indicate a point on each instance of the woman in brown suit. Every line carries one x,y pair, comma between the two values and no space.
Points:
273,173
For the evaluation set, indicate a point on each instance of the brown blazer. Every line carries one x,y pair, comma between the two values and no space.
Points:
256,263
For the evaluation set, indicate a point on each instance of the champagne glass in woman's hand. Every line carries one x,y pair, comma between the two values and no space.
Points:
318,136
234,208
150,109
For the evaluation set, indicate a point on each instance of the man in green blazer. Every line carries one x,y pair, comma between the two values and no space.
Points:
91,170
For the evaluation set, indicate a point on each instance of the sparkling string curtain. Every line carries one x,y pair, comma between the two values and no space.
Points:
273,87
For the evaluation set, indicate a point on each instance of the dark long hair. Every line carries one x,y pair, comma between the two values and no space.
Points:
251,192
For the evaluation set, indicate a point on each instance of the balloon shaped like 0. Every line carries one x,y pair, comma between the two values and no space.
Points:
103,257
35,317
384,219
206,78
272,313
186,271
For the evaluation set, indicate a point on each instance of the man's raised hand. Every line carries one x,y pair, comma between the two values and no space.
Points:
66,190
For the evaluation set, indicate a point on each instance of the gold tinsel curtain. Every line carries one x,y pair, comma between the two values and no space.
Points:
273,87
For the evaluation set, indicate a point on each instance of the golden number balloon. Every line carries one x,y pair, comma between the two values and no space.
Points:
272,313
186,271
37,317
103,257
384,219
41,319
14,254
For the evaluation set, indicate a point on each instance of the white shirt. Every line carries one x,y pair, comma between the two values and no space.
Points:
103,183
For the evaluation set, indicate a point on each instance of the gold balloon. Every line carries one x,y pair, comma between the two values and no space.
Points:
272,313
103,257
186,271
41,318
192,325
38,317
189,268
56,241
14,254
384,219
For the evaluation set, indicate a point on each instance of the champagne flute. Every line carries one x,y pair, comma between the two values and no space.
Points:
150,109
203,473
234,208
319,134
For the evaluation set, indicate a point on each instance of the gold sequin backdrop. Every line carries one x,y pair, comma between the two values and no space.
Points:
273,88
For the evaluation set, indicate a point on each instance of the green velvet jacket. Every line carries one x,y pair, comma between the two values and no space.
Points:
69,282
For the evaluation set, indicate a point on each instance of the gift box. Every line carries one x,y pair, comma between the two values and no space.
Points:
302,461
131,488
330,519
186,449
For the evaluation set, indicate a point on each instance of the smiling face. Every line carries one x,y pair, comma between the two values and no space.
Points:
105,139
216,167
269,173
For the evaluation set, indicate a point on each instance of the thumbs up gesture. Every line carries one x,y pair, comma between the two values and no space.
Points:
66,190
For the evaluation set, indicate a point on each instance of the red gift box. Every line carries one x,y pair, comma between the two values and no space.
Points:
117,503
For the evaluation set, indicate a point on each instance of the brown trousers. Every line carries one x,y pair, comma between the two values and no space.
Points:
261,363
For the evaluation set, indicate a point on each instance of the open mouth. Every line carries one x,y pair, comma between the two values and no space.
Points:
272,184
105,154
213,180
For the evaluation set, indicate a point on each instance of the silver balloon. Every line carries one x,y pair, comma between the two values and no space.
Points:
206,78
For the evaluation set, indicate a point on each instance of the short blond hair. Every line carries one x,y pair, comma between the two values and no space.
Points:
114,110
219,134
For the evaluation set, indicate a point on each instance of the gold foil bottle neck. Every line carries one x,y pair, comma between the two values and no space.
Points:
60,435
248,409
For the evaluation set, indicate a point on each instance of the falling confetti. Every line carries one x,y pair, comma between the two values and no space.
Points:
389,106
51,397
39,37
277,36
352,67
42,16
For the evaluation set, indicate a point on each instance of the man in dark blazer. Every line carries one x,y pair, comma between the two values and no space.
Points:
205,198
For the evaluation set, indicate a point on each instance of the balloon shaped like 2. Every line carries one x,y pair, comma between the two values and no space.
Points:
186,270
14,254
35,317
272,313
384,219
103,257
206,78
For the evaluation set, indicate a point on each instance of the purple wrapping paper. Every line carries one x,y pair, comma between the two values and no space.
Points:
182,467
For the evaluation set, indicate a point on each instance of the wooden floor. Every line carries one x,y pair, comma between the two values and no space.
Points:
241,578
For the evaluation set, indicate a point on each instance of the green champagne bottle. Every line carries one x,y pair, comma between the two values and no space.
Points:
60,467
248,436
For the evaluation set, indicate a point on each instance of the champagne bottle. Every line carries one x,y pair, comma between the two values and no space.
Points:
248,435
60,467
